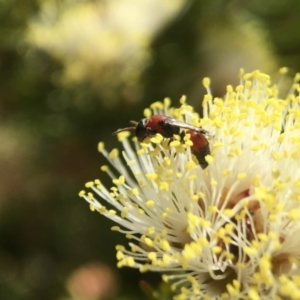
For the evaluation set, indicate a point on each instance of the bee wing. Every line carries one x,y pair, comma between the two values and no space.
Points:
175,123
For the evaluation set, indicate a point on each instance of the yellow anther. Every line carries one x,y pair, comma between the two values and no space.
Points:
216,249
157,139
104,168
209,159
100,146
81,193
148,242
150,203
89,184
283,70
115,228
114,153
182,99
206,82
119,181
241,176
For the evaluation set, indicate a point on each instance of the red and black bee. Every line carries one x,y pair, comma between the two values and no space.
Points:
200,147
167,127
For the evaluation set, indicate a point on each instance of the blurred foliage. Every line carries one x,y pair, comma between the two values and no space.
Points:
71,72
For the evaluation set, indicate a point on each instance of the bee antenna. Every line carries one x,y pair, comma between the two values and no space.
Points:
133,122
123,129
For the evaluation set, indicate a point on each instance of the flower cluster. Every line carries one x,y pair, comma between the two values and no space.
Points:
231,230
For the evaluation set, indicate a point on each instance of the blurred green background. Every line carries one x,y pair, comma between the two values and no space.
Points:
74,71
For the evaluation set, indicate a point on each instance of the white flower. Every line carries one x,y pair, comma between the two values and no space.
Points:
230,231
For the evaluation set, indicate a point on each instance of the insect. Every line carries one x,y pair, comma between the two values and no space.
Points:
200,147
167,127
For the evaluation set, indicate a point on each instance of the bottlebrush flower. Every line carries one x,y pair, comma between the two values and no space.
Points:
230,231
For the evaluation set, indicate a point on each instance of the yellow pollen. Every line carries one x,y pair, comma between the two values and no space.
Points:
218,123
92,207
164,245
256,181
204,223
253,294
120,255
130,261
283,70
192,177
294,214
212,209
219,102
164,186
152,255
157,139
151,176
150,230
217,145
150,203
119,181
157,105
241,176
206,82
190,165
229,88
81,193
147,112
124,212
100,146
225,173
89,184
114,153
166,162
148,242
248,84
134,248
134,192
276,156
175,144
163,215
115,228
102,210
167,102
123,135
194,198
239,88
240,265
250,251
182,100
275,172
213,183
241,73
120,248
144,268
169,173
104,168
216,249
209,159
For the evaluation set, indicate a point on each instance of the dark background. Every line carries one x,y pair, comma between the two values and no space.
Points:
66,83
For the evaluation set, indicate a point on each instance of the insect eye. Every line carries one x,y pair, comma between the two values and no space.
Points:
140,130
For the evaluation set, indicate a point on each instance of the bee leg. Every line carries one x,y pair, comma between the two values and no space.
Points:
149,132
182,135
201,156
